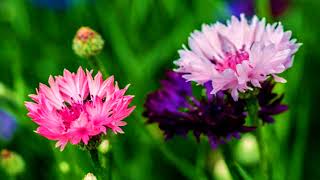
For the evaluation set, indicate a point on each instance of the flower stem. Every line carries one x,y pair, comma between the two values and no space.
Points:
263,8
99,170
96,63
253,110
95,159
236,171
182,165
200,165
227,155
110,156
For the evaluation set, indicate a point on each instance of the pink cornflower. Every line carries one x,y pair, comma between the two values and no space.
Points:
76,107
237,56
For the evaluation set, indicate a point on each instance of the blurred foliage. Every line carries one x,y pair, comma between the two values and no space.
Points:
141,41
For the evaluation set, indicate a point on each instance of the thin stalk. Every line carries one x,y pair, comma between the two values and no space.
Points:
244,175
18,83
201,161
99,170
263,8
182,165
110,160
95,159
253,110
236,171
227,155
96,63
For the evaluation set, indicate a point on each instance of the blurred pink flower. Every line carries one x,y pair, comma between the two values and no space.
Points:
76,107
237,56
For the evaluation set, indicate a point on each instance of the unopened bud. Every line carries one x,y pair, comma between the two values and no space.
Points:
90,176
87,42
247,150
11,162
64,167
104,146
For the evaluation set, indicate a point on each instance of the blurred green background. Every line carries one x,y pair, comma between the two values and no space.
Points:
141,41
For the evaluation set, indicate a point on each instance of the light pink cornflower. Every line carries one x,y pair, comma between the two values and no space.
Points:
237,56
75,107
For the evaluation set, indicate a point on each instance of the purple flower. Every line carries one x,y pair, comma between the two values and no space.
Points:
178,111
270,103
56,4
8,125
236,7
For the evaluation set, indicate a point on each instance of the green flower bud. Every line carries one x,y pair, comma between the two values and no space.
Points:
11,162
104,147
90,176
64,167
87,42
247,150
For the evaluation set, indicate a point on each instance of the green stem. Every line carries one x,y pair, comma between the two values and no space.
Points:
263,8
99,170
18,83
253,110
236,171
110,156
200,166
244,175
96,63
182,165
227,155
95,159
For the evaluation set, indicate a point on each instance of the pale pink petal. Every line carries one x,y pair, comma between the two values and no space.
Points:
237,56
279,79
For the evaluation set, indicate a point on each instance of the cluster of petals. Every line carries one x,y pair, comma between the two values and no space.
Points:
237,56
77,106
177,111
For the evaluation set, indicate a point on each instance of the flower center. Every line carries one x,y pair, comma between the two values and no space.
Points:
70,113
84,34
231,60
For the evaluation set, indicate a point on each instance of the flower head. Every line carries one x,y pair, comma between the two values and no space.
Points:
76,107
87,42
178,111
237,56
11,162
104,146
8,125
